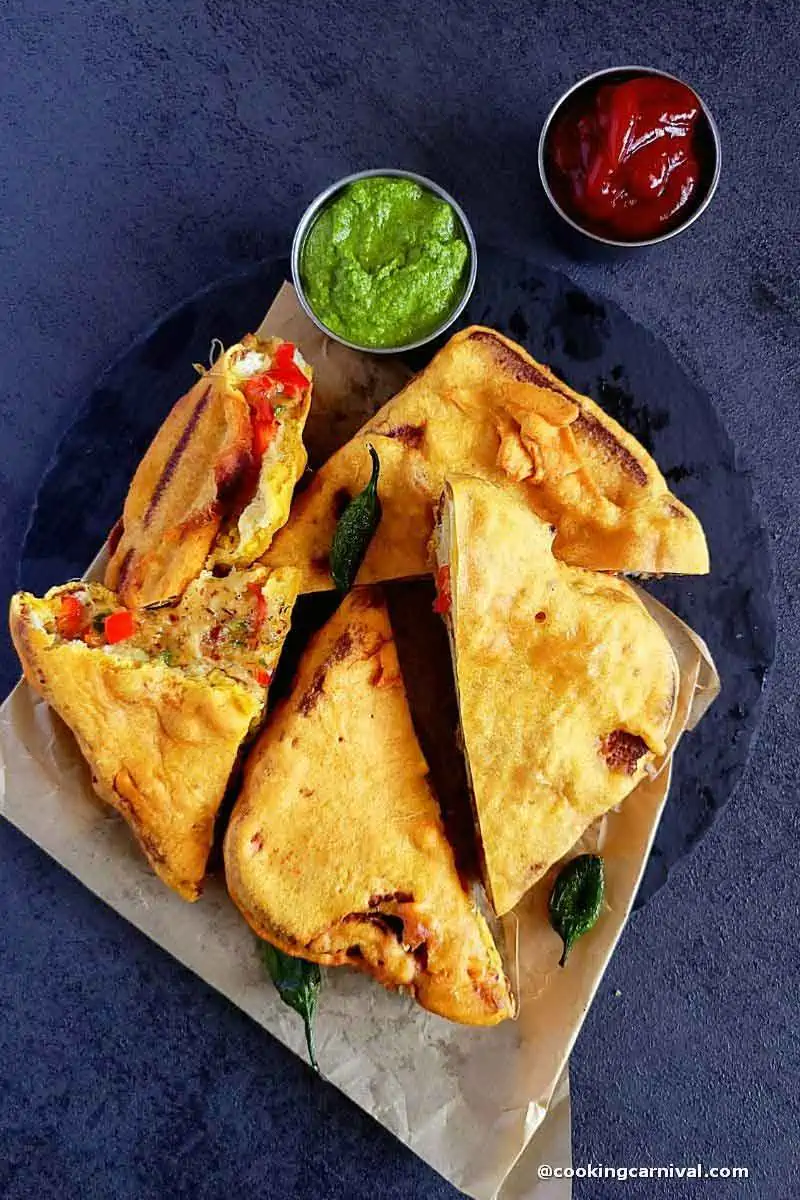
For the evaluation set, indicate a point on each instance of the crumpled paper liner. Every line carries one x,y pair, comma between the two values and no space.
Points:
483,1107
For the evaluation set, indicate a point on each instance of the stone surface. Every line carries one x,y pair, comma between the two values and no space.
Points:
147,150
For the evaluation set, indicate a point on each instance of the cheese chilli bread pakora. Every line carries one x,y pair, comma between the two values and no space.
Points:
336,852
218,478
566,685
160,701
484,407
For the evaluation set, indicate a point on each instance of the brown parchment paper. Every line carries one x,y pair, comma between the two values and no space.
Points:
483,1107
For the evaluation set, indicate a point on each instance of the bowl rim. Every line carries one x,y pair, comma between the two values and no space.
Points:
661,237
314,208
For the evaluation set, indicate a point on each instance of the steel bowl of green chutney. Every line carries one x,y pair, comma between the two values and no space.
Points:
384,261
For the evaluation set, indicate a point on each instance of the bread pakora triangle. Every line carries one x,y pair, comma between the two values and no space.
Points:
160,701
336,851
484,407
566,685
218,478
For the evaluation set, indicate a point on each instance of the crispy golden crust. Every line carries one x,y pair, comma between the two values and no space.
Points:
198,479
174,505
566,684
336,851
159,724
484,407
160,746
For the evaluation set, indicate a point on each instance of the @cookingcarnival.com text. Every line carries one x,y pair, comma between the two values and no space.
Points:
622,1174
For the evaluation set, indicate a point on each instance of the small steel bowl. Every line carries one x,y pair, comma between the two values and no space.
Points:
312,212
710,156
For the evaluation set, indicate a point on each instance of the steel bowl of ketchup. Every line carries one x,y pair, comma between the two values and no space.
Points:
630,156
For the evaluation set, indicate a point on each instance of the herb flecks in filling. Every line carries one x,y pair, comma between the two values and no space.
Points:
234,626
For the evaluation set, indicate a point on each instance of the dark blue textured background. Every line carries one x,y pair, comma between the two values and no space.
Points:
147,149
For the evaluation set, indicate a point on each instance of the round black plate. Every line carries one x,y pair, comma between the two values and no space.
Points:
597,349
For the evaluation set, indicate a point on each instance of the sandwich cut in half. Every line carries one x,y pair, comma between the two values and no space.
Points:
160,701
218,478
566,685
484,407
336,852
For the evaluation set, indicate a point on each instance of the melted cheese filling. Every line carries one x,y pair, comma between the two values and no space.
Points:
261,511
252,362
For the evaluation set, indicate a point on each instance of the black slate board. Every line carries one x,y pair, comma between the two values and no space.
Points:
597,349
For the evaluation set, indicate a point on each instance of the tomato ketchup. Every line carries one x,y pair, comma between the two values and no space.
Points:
623,159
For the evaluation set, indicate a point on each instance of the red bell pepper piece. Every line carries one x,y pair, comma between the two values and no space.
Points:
257,392
444,600
258,389
261,607
70,619
263,677
119,625
285,371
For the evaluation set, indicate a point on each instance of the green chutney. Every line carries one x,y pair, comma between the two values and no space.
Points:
384,264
